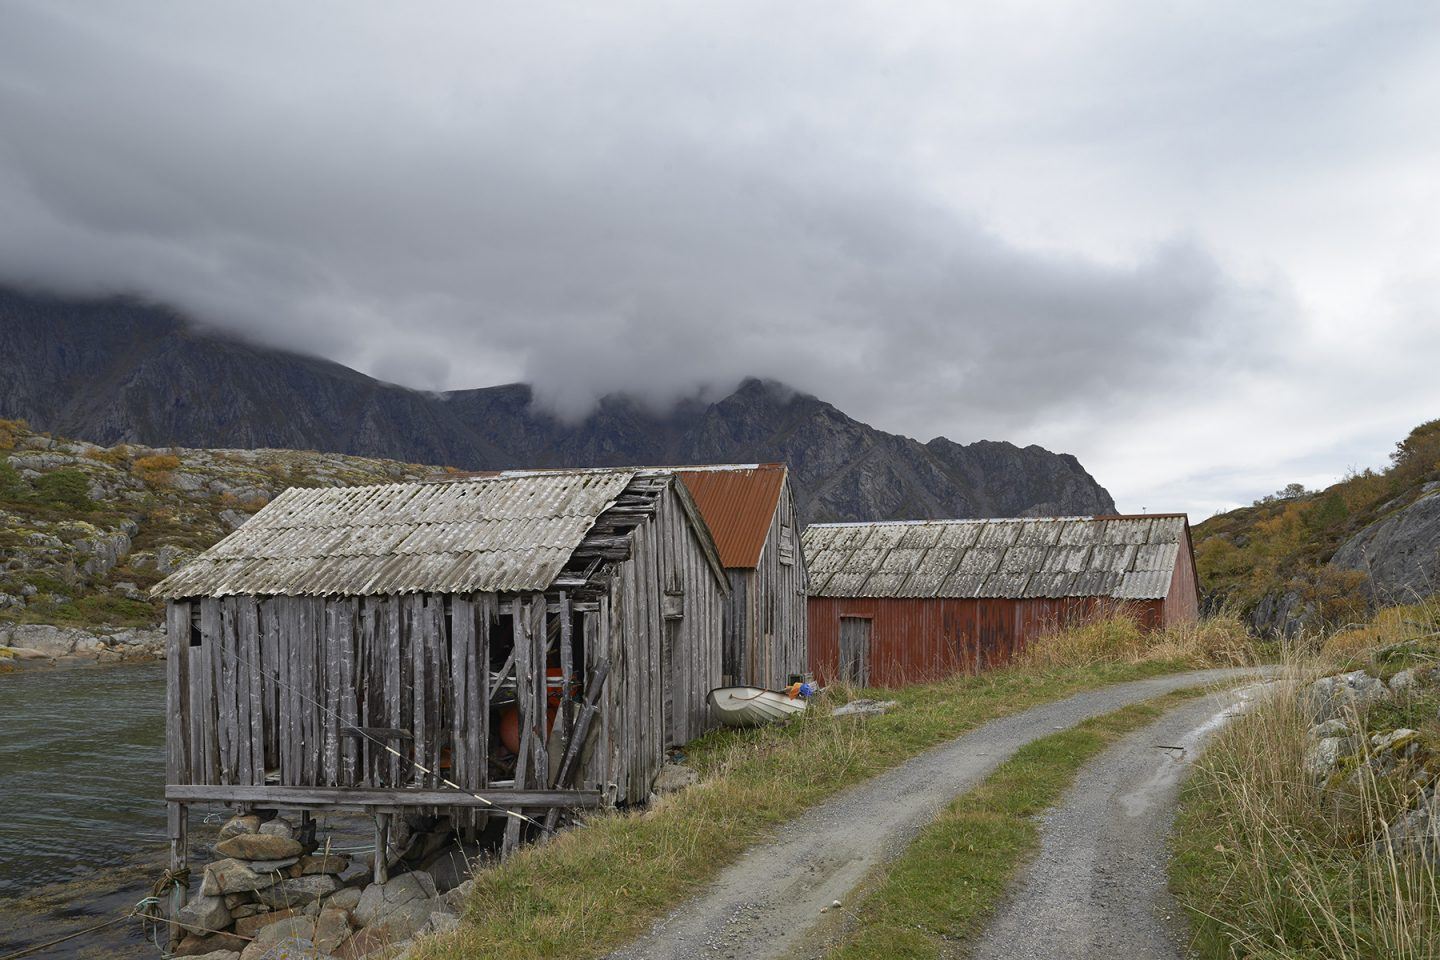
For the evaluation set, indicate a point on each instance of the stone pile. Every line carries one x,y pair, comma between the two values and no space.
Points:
273,895
1342,753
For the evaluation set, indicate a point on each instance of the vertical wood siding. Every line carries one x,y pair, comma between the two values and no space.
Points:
916,640
634,729
765,619
1182,603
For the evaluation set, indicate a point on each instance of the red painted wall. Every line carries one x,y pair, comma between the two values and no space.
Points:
914,640
1182,603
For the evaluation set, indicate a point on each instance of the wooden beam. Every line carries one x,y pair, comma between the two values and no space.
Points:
381,863
177,821
300,797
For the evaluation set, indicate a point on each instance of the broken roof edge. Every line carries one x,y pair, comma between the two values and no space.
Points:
1081,516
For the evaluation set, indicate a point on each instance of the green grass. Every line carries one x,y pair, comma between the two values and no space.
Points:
950,879
1270,865
588,891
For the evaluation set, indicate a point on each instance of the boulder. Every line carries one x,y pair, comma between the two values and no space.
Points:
290,948
865,708
401,889
674,777
298,891
347,899
440,922
1330,728
320,863
455,900
194,945
279,827
259,846
248,910
253,924
237,900
275,866
1417,831
1323,757
219,955
26,653
239,824
1331,697
204,915
392,927
322,934
233,876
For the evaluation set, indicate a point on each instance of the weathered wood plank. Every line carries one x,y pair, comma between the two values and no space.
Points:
567,669
177,700
271,797
393,678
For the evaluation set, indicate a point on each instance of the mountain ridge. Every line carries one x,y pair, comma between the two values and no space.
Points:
122,371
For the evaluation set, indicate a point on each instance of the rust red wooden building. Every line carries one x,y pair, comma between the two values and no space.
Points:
904,601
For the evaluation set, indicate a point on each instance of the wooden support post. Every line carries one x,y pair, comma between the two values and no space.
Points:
177,821
566,715
524,692
382,848
307,828
578,733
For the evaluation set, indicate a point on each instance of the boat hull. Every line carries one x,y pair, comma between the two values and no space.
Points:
752,706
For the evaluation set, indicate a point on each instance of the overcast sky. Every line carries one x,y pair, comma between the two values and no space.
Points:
1195,244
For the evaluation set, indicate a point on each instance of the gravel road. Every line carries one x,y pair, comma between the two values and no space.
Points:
1098,887
763,905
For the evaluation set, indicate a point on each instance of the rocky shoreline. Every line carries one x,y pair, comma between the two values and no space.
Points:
28,644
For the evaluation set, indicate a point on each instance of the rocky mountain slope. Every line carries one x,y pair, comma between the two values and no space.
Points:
117,371
85,530
1308,559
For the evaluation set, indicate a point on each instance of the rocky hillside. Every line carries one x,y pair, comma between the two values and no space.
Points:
1306,559
85,530
117,371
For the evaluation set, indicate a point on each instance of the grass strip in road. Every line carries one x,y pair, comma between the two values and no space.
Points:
591,890
949,881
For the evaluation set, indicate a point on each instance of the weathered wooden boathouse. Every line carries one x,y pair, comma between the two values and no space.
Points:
750,510
900,602
513,643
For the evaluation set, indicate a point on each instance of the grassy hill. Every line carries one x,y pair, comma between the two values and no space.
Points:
1270,561
86,530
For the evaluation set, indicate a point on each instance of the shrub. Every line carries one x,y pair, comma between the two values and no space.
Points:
10,432
12,485
69,488
156,470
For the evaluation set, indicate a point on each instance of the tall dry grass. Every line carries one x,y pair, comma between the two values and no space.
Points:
1217,641
1273,864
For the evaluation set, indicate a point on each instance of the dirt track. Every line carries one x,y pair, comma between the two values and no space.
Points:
1098,886
763,905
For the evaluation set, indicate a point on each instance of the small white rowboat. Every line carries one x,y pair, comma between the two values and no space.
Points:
752,706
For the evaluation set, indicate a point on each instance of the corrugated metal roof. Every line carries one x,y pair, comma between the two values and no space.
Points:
738,504
496,533
1130,558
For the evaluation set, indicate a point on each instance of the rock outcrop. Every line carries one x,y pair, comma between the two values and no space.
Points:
1400,553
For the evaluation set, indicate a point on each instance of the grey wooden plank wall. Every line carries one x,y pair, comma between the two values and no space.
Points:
274,684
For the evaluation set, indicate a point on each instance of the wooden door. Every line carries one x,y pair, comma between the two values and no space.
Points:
855,650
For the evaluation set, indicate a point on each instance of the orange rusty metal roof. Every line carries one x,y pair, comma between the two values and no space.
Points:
738,504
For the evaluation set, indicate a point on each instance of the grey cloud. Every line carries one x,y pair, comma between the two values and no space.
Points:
646,199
